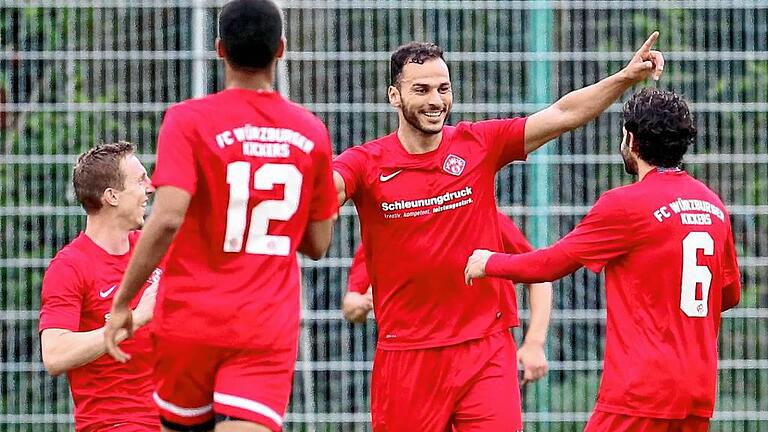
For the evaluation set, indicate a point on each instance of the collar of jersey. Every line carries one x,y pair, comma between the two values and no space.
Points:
663,171
398,157
88,243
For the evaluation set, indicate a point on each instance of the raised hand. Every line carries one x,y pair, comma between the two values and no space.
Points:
646,61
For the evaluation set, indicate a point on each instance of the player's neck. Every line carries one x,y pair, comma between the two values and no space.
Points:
108,234
415,141
259,80
643,169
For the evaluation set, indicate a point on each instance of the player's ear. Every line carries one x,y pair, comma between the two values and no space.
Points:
220,48
631,144
280,52
393,93
109,197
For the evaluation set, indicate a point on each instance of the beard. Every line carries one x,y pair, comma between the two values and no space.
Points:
411,115
630,165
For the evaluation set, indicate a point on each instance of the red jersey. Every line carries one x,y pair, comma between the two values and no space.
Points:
358,280
514,242
78,288
258,168
512,238
667,248
421,216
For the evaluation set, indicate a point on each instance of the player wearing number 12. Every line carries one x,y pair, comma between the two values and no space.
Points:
670,269
244,182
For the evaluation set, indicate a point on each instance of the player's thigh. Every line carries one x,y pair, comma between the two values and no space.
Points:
491,399
254,386
693,424
240,426
130,427
184,376
411,390
601,421
191,429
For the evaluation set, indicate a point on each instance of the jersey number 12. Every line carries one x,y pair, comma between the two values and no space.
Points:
695,274
265,178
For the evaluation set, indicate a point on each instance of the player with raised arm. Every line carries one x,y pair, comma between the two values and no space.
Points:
358,302
243,182
667,248
425,198
78,287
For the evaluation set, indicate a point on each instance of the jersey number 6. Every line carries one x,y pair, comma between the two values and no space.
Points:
265,178
694,274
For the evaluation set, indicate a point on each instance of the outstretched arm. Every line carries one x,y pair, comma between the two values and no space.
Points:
542,265
167,216
580,106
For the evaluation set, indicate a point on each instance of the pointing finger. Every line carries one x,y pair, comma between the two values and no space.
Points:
649,42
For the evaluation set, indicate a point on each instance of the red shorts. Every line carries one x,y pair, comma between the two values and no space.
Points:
125,427
471,386
601,421
194,381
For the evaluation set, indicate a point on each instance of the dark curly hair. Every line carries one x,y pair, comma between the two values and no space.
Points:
662,126
413,52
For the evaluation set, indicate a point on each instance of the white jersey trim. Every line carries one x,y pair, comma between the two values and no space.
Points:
249,405
180,411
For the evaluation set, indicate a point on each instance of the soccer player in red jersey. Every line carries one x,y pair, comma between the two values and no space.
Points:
113,187
425,196
667,248
244,181
358,301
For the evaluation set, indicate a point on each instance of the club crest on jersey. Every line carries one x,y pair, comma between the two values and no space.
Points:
454,165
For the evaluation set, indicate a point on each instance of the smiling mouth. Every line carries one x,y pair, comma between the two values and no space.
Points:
433,114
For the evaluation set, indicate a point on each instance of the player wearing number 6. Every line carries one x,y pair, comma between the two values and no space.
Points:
243,182
670,269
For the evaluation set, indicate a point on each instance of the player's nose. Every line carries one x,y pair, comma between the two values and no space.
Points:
435,101
149,188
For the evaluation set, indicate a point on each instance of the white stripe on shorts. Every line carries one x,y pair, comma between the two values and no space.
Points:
249,405
179,411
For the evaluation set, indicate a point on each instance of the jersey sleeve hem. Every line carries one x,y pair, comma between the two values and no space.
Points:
327,213
56,325
346,175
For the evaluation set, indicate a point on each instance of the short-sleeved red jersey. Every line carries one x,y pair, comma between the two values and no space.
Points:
78,288
258,168
512,239
667,248
358,280
421,216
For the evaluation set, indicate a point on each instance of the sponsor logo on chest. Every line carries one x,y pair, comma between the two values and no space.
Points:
106,293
